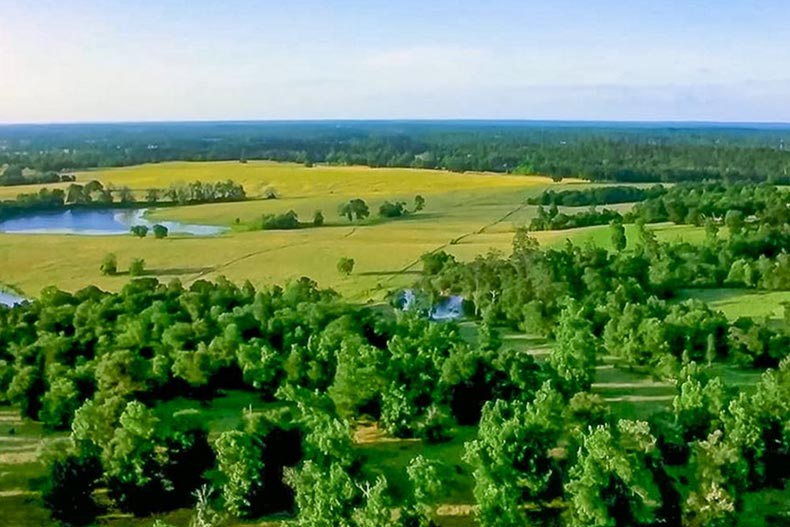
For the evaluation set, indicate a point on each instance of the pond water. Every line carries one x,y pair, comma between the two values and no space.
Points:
10,299
448,308
96,222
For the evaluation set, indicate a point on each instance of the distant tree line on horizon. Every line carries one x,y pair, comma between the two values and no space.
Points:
627,154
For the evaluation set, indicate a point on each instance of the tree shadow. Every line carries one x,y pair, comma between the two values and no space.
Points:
177,271
387,273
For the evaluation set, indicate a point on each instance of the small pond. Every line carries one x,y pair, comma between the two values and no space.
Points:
447,308
96,222
9,299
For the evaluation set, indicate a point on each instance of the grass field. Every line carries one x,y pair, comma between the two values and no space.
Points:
459,206
735,303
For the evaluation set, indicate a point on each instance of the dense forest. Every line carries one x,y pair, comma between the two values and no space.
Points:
101,366
629,152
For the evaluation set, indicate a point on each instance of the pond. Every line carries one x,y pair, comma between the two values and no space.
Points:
96,222
447,308
9,299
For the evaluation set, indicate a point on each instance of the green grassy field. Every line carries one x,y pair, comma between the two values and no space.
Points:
735,303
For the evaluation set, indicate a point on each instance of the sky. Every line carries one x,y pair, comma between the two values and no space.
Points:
158,60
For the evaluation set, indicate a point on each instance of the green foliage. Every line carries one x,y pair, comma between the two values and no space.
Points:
392,210
240,463
69,485
141,231
289,220
137,267
109,265
619,240
511,457
345,265
610,484
151,465
419,203
160,231
356,208
318,219
574,355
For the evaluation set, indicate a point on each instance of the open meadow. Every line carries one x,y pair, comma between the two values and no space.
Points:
466,215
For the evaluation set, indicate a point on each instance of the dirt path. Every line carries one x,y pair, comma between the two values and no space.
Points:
457,240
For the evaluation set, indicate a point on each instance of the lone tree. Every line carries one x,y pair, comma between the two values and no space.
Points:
619,241
419,203
318,218
345,266
137,267
160,231
356,208
109,265
141,231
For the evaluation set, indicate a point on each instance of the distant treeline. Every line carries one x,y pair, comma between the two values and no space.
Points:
628,153
95,194
684,204
596,196
14,175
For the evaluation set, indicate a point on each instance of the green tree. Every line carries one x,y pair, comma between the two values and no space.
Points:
318,219
610,485
68,488
734,221
573,357
419,203
240,465
137,267
511,457
160,231
153,195
619,240
325,496
355,208
141,231
345,266
109,265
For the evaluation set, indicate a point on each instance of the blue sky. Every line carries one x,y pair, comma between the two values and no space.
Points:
92,60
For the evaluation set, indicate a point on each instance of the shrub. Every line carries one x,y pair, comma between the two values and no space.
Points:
109,265
160,231
137,267
345,266
287,221
141,231
68,491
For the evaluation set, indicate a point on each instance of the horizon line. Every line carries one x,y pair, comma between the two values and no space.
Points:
686,122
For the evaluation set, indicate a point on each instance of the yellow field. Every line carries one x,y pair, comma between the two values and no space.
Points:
459,206
466,214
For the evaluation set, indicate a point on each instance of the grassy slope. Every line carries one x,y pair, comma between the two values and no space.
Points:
458,205
735,303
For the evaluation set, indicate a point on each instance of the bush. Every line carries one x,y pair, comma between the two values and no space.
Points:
345,266
318,219
68,492
160,231
141,231
270,193
137,267
286,221
392,210
109,265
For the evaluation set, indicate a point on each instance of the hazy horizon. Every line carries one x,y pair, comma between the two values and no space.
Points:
104,61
